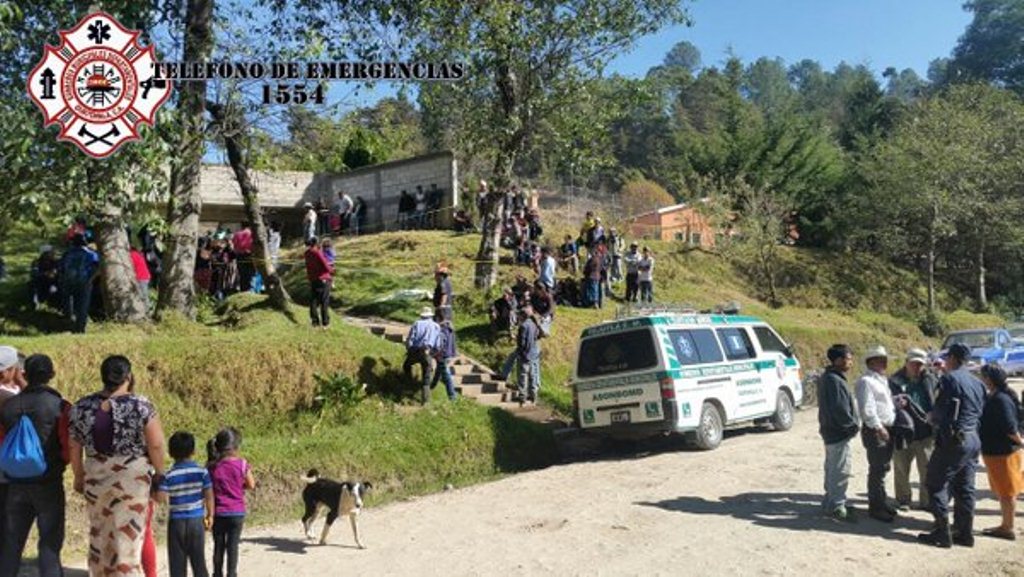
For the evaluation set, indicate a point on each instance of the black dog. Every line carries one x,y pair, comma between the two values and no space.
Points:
339,498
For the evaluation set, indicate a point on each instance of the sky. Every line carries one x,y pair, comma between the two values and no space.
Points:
878,33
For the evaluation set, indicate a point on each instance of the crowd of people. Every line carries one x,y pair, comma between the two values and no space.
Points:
67,283
113,441
940,417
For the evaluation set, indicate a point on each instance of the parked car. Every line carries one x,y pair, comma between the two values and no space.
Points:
1017,334
989,346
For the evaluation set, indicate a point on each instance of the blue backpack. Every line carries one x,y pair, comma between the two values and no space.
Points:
21,454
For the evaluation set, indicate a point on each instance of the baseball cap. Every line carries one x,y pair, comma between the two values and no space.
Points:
917,356
959,351
8,357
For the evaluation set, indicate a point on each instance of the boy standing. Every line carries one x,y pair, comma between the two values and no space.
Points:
189,491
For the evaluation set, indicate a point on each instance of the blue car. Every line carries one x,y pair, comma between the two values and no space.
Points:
989,346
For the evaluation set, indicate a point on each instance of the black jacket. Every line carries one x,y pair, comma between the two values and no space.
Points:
837,417
48,411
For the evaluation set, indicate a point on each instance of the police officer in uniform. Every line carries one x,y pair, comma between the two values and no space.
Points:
951,471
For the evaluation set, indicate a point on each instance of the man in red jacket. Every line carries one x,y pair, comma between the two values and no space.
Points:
319,273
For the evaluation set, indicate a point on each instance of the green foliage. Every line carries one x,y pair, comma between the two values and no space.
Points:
337,395
991,49
640,196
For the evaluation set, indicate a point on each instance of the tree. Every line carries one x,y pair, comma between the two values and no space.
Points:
640,196
991,49
45,178
229,121
184,203
946,181
684,55
531,60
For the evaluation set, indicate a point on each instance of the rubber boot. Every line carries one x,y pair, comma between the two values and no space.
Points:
939,536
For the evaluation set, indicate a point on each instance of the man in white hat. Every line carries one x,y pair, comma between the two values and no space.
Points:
878,415
917,385
420,345
12,378
309,218
12,381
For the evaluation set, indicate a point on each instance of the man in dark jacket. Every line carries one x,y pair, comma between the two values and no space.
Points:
916,384
528,356
954,463
837,420
38,499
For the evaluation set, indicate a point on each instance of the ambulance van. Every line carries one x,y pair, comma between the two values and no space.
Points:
683,373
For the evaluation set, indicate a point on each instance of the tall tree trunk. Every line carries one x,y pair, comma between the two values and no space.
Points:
982,291
933,241
486,271
121,299
250,198
177,288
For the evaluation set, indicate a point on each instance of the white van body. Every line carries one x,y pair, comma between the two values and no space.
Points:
683,373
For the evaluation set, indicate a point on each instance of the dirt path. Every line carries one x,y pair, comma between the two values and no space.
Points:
748,508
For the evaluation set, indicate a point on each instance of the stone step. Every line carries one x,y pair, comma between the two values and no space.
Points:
474,391
378,330
395,337
467,369
475,378
491,399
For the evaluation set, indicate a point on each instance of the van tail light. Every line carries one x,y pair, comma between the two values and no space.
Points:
668,388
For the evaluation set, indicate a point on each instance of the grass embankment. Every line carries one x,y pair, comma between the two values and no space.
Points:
830,298
248,366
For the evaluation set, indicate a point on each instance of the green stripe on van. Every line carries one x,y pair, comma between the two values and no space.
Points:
684,373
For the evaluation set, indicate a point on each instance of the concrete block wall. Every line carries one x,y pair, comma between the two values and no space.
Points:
283,193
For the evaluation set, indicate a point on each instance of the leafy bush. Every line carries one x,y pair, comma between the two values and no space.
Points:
337,392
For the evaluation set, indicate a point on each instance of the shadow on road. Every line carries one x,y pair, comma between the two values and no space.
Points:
279,545
581,447
792,511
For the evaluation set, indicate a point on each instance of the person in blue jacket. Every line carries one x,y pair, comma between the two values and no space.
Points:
951,470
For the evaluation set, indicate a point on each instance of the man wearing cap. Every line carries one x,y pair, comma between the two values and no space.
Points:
837,425
916,384
39,499
420,345
878,414
951,470
443,291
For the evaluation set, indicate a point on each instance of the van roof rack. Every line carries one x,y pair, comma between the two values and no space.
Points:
645,309
649,309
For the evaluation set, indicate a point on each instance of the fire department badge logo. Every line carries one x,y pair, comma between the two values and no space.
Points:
98,85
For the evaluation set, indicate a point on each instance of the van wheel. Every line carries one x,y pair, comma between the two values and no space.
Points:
709,430
782,420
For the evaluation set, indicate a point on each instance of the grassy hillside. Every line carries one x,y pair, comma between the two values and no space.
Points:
251,367
845,298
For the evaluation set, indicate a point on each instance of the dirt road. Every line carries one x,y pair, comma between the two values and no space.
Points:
748,508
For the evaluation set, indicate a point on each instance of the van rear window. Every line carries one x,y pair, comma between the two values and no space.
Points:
617,353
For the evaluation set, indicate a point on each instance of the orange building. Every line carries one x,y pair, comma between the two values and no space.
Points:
680,222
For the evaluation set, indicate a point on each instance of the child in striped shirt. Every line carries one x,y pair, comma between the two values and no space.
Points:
188,489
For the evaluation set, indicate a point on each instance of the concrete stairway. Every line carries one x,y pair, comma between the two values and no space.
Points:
472,379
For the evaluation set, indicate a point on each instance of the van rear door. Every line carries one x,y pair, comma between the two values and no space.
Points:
617,379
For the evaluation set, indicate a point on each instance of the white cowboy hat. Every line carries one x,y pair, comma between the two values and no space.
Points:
427,312
877,351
